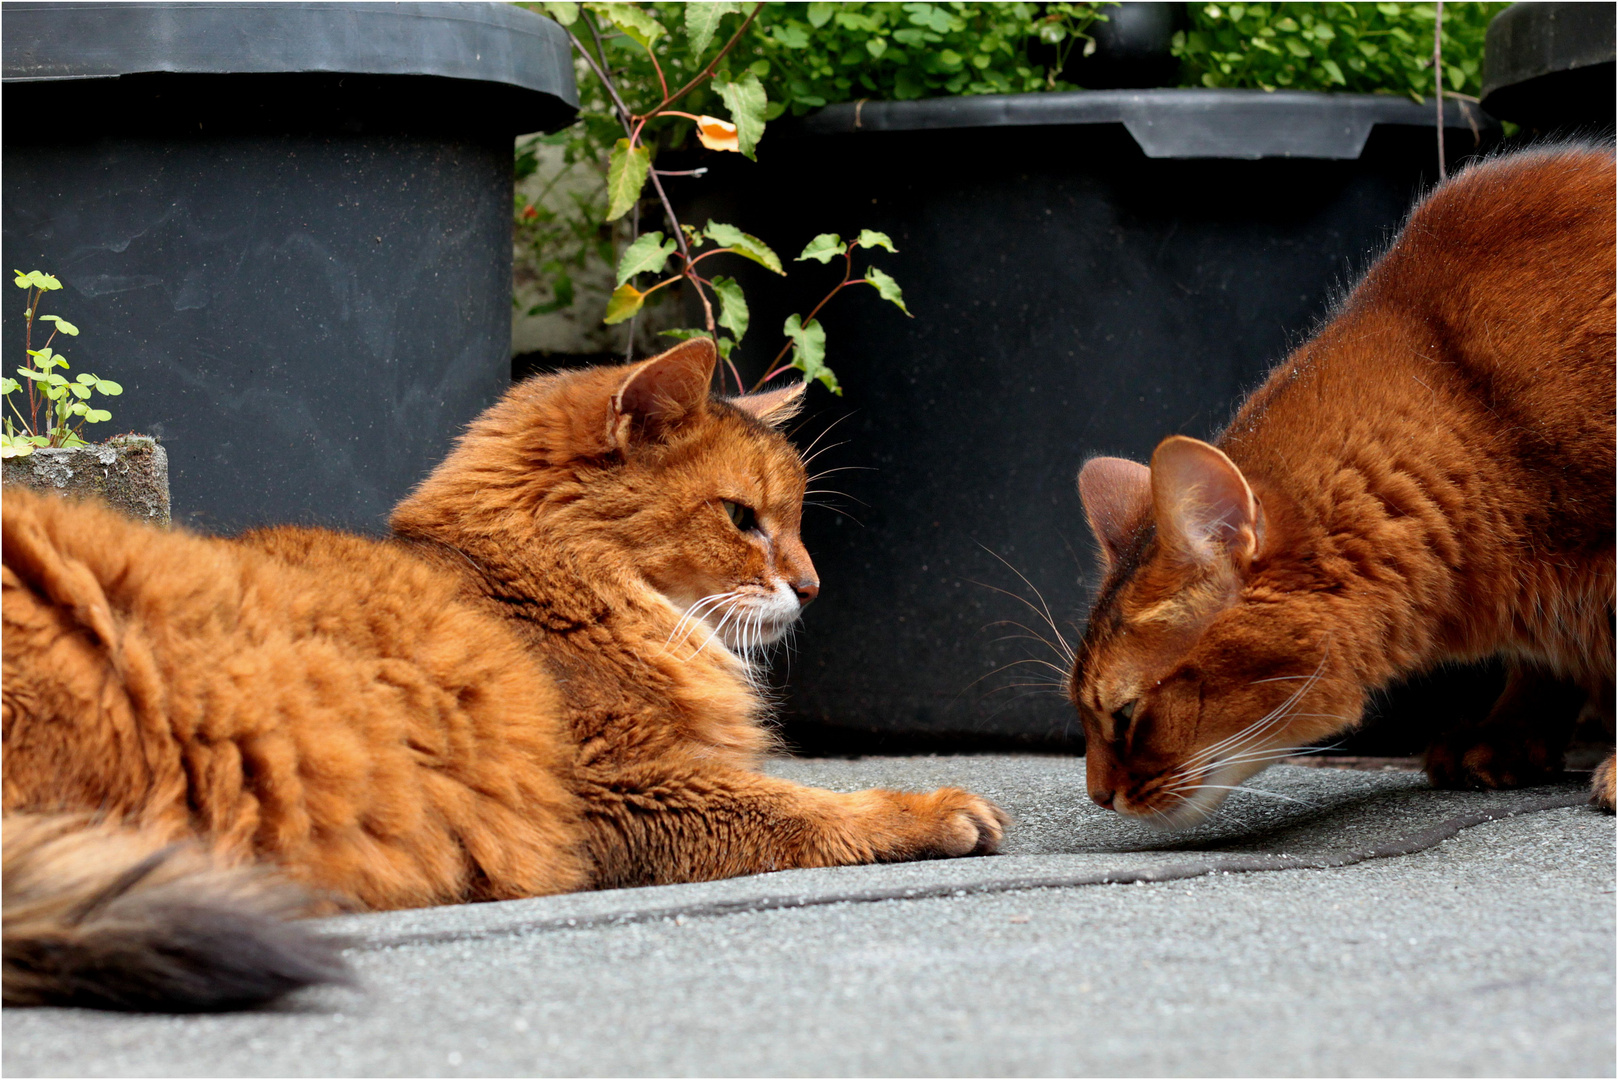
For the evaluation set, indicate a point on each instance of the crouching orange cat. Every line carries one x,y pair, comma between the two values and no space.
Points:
540,683
1430,479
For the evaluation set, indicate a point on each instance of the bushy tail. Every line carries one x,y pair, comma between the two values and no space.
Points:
103,917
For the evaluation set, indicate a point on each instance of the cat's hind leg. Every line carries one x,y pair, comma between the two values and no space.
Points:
701,821
1519,743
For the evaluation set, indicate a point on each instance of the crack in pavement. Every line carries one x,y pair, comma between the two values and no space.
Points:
1410,844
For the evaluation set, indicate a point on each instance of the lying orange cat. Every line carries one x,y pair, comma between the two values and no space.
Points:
540,683
1429,480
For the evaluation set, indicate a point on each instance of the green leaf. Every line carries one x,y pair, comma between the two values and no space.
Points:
823,248
623,303
640,26
80,391
702,23
8,386
733,313
61,324
30,373
11,449
647,255
742,244
563,11
685,334
887,288
626,175
108,387
724,345
819,14
870,238
86,377
809,351
36,280
746,100
791,35
96,416
78,408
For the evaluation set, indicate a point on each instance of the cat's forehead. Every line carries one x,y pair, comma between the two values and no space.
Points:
740,449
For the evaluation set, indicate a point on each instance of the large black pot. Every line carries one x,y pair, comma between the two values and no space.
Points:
1089,272
284,227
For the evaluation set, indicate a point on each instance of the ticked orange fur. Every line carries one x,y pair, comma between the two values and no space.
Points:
1429,479
541,682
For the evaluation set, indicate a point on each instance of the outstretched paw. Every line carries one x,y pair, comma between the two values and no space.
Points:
962,823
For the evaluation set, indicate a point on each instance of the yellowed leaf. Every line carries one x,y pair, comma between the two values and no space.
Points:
717,134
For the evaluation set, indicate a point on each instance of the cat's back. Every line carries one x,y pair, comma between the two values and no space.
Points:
316,697
1490,317
1506,272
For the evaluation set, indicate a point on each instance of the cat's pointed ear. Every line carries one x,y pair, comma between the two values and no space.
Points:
1117,494
661,393
773,407
1202,503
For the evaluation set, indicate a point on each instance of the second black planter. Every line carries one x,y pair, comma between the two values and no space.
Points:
1089,273
284,227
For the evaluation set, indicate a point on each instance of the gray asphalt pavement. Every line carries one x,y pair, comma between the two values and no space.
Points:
1348,923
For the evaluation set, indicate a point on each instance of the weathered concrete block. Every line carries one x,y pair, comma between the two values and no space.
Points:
129,472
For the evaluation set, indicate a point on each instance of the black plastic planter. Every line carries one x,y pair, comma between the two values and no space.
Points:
1550,67
284,227
1089,272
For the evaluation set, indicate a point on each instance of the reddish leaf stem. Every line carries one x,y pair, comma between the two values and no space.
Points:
848,279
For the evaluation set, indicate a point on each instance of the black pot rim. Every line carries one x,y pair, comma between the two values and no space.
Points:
1170,122
469,42
1526,41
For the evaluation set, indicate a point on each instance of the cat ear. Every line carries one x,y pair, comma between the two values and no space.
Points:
773,407
662,392
1116,494
1203,506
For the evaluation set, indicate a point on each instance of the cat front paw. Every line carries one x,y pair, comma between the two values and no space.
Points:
962,824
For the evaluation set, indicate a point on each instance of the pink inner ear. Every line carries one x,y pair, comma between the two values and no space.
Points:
669,386
1202,502
1116,494
774,407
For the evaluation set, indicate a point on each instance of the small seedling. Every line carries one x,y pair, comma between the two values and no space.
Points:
65,403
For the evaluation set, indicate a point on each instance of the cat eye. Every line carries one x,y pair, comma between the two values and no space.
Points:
1121,717
740,516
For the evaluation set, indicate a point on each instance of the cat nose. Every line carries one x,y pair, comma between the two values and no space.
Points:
1102,799
807,589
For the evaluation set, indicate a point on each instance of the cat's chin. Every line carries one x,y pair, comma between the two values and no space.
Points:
1193,805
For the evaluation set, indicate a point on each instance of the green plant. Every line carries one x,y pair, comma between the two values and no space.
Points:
809,55
631,171
1359,47
796,56
63,401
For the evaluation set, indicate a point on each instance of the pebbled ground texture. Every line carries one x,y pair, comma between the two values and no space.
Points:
1346,923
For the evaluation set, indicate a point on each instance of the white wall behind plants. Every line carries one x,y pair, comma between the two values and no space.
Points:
578,329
